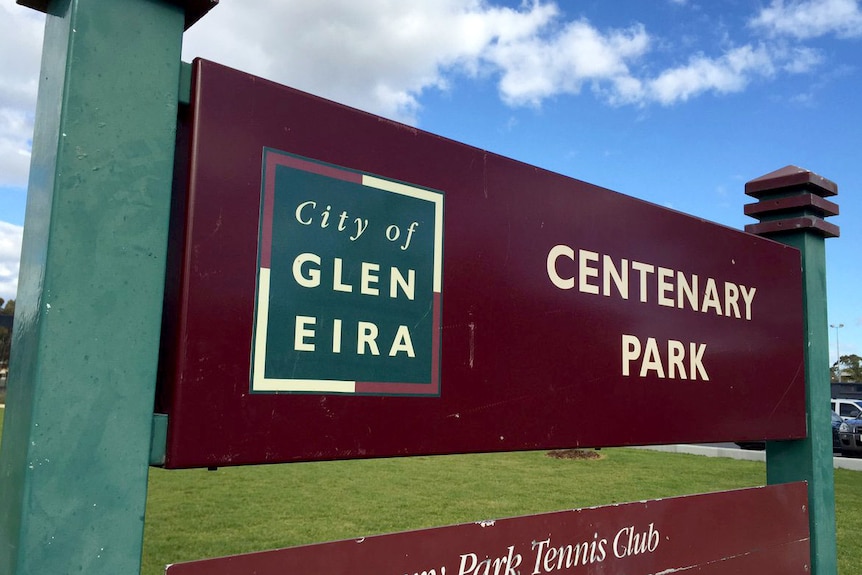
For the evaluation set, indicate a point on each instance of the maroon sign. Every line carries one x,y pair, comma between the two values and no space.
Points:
426,297
761,530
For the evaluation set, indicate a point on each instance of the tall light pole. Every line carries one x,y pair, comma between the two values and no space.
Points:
837,349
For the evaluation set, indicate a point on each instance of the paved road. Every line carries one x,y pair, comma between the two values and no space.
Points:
732,451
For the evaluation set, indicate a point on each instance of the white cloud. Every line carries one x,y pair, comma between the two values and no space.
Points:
804,19
10,251
21,31
378,55
20,54
729,73
800,60
16,128
381,55
537,67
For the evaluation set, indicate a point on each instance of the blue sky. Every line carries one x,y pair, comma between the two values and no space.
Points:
677,102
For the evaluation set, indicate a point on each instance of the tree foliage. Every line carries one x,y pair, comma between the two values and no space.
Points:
849,367
6,308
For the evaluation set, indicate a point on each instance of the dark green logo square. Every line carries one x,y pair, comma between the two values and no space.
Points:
349,282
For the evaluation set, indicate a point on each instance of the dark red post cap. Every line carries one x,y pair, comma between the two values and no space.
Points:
195,9
791,199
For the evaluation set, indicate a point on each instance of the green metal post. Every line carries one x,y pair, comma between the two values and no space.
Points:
76,436
791,211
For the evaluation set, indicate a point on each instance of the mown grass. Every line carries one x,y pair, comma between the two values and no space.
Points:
848,514
196,514
193,514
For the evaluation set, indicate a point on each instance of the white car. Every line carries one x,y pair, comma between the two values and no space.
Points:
847,408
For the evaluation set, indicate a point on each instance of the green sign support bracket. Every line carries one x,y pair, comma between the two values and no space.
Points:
185,96
159,441
791,209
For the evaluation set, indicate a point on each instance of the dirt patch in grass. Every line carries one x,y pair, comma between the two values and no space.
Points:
574,454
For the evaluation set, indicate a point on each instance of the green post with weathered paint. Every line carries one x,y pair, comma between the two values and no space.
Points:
791,209
76,437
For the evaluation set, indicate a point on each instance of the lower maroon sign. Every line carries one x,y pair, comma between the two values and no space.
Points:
347,287
761,530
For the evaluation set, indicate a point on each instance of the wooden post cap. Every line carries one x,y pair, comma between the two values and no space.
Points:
791,199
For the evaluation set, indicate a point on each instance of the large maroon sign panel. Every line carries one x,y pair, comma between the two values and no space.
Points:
762,530
345,286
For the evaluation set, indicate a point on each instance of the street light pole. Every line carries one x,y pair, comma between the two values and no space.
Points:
837,349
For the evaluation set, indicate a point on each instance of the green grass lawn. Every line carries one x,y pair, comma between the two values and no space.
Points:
196,514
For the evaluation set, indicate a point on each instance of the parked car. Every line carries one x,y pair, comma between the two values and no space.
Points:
837,422
837,444
850,438
847,408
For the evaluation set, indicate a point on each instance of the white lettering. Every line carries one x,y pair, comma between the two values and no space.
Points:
324,217
402,342
337,283
597,273
336,335
687,290
298,213
664,286
675,357
747,297
505,565
652,360
367,334
396,280
629,542
410,229
463,569
304,218
696,352
585,271
710,297
731,294
393,232
556,253
643,270
541,545
307,272
367,278
302,332
312,278
367,337
620,277
360,228
631,351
